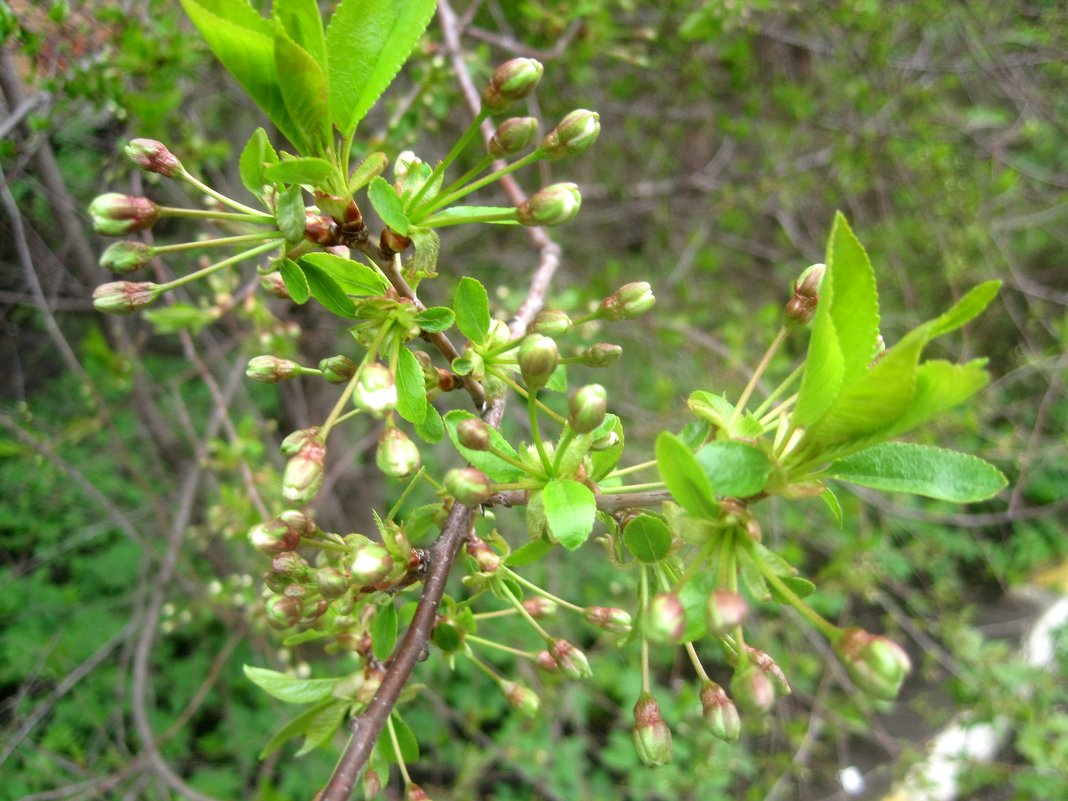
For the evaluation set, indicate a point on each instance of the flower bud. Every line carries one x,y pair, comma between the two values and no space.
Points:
877,665
292,444
719,712
397,456
338,369
554,205
725,610
117,215
570,659
801,306
478,550
629,301
652,737
752,689
124,297
499,335
372,784
774,673
544,660
413,792
521,698
274,537
300,522
320,229
283,611
601,355
371,564
392,243
153,156
538,357
512,137
271,369
550,323
126,257
375,391
573,135
331,582
617,621
290,565
473,433
273,284
586,409
664,619
513,80
539,607
303,475
468,486
609,440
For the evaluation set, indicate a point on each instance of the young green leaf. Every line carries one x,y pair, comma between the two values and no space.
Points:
303,23
304,91
648,538
310,171
367,170
751,576
432,428
801,587
603,462
294,728
427,247
569,511
409,746
529,553
921,470
289,688
495,468
471,304
387,204
323,726
384,631
434,319
290,214
734,469
833,504
256,156
685,478
352,276
295,280
411,389
558,380
694,597
327,291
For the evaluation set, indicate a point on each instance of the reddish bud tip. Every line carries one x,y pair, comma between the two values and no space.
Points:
153,156
652,737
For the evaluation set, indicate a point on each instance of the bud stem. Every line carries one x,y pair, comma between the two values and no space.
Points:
324,545
634,468
633,488
404,495
207,190
696,662
561,449
482,164
472,638
225,241
542,592
532,411
457,149
493,214
397,750
350,387
496,175
526,468
523,392
828,630
507,592
257,217
238,257
764,362
787,382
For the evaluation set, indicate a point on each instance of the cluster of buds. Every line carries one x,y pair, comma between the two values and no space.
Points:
283,533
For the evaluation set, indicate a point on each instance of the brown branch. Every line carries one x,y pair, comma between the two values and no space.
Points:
606,503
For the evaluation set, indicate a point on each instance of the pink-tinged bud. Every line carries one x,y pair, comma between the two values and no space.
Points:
586,409
375,392
300,521
273,537
544,660
274,582
290,565
296,440
372,784
629,301
468,486
473,433
513,80
550,323
719,712
877,665
304,473
573,135
764,661
538,357
618,621
801,307
521,698
570,659
271,369
477,549
314,609
553,205
397,456
725,610
338,369
539,607
124,297
652,737
752,689
273,284
371,565
512,137
602,354
331,582
320,229
153,156
392,243
117,215
283,611
126,257
413,792
664,619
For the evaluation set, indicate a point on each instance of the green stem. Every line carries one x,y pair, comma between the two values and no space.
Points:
258,217
490,217
483,162
439,170
828,630
542,592
335,413
643,591
404,495
484,667
506,590
491,615
207,190
633,488
561,449
532,412
496,645
225,241
496,175
764,362
696,662
526,396
238,257
397,750
779,390
526,468
694,566
634,468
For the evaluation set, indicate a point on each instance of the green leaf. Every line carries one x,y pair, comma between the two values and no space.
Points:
295,280
718,411
965,309
180,317
409,746
694,597
371,167
384,631
387,204
311,171
303,24
323,726
294,728
256,156
495,468
648,538
427,247
434,319
411,389
447,637
354,277
558,380
734,469
308,635
289,688
778,565
367,42
303,85
921,470
801,587
431,429
529,553
327,291
939,385
833,504
685,478
604,461
290,214
569,511
471,304
751,576
694,433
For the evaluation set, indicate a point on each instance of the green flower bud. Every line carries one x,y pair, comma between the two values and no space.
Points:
544,661
801,306
468,486
629,301
275,583
586,409
538,357
124,297
397,456
601,355
153,156
303,475
539,607
117,215
550,323
126,257
273,284
617,621
572,136
290,565
413,792
554,205
752,689
372,784
300,521
473,433
570,659
513,80
719,712
877,665
652,737
512,137
273,537
488,561
271,369
724,611
331,582
283,611
338,369
521,698
376,392
292,444
498,335
664,619
371,565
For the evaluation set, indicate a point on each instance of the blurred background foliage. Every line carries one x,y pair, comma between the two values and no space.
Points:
732,130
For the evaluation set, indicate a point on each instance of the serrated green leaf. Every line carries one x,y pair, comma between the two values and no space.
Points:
685,478
719,412
367,170
648,538
288,688
387,204
939,386
323,726
435,319
255,157
303,24
295,280
290,215
327,291
431,429
356,278
384,631
304,91
294,728
569,511
777,565
447,637
734,469
312,171
471,304
411,388
527,554
495,468
921,470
